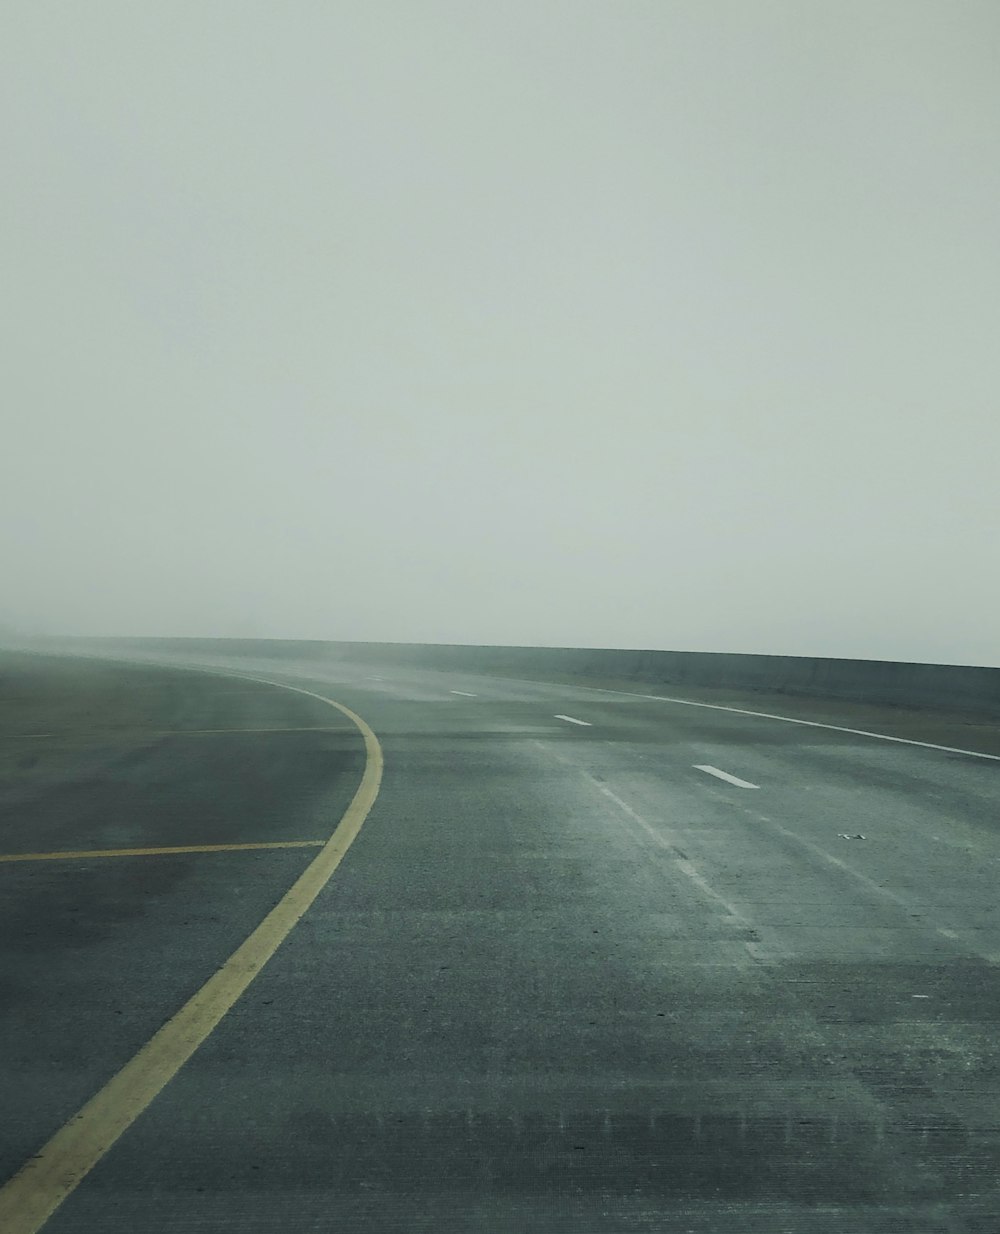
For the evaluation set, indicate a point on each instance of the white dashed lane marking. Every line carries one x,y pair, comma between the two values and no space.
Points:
724,775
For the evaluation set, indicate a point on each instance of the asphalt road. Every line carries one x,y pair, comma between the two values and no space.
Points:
568,977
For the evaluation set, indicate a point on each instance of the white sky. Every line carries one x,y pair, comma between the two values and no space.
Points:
629,323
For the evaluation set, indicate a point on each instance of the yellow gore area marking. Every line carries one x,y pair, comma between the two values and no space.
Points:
44,1182
78,853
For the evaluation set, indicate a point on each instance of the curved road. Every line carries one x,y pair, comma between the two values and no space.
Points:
594,962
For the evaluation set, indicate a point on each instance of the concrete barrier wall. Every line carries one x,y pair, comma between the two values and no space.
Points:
945,687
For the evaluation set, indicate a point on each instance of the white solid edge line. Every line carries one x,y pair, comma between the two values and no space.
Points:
573,720
464,693
724,775
770,715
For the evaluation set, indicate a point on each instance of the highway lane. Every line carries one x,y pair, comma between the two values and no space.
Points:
565,979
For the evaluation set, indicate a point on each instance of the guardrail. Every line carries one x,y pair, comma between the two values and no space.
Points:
945,687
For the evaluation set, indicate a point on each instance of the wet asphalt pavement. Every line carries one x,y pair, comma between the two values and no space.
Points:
564,979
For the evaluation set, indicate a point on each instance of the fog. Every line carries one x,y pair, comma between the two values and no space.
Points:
637,324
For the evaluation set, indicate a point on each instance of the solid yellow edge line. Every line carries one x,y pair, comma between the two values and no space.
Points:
76,853
44,1182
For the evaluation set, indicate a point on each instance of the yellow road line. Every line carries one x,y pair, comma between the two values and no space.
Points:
307,728
74,854
43,1183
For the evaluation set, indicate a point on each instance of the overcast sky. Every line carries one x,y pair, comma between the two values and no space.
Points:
659,324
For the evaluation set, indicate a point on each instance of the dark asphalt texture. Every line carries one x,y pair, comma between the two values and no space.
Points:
562,980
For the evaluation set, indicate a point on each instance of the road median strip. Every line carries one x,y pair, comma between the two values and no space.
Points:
48,1178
